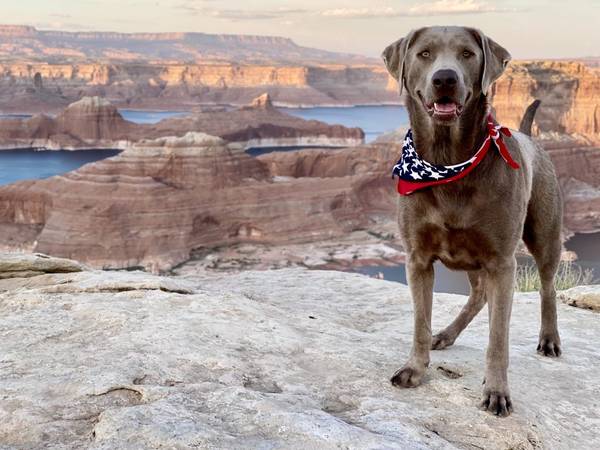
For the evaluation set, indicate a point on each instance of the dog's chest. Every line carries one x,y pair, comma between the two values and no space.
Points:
453,234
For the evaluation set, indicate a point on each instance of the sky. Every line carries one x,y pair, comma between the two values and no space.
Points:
528,28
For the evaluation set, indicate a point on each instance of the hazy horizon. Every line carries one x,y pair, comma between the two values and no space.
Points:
529,29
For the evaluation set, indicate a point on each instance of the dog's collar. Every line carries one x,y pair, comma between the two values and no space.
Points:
415,173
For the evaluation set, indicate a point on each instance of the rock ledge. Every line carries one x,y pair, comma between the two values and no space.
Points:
273,359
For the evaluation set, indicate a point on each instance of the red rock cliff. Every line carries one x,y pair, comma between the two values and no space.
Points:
158,201
569,91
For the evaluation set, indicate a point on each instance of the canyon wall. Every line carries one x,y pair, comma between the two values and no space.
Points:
159,200
569,91
45,87
578,169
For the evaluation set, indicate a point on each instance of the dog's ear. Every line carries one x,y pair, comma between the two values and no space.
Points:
393,57
495,60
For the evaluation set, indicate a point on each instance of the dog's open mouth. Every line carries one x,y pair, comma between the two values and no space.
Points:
443,108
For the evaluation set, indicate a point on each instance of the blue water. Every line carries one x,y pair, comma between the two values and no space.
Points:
374,120
149,116
16,165
445,280
586,246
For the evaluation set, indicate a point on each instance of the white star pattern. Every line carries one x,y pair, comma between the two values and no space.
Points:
416,173
411,167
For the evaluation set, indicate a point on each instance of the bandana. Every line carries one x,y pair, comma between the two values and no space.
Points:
415,173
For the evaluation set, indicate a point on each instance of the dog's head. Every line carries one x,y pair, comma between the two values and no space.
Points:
445,68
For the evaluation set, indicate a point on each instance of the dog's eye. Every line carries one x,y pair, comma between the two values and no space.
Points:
467,53
425,54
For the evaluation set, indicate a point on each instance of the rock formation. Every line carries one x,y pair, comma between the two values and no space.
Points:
153,70
275,359
93,122
578,169
187,86
586,297
157,201
569,91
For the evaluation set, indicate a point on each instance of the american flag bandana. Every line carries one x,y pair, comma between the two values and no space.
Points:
415,173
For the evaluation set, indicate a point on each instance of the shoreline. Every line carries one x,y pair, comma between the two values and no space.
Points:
300,143
190,108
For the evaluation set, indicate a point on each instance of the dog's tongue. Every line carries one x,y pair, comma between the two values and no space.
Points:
445,108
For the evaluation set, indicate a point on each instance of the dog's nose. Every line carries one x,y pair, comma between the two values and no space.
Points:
445,78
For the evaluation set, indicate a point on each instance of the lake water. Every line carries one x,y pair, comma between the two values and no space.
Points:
445,280
587,248
374,120
16,165
136,116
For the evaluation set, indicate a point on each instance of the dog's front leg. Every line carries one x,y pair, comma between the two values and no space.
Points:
500,289
420,280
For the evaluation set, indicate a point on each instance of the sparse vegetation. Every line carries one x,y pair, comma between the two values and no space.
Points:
569,275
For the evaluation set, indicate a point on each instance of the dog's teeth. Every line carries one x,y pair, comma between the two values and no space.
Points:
445,107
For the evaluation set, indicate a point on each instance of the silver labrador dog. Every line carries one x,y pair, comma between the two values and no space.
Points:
475,223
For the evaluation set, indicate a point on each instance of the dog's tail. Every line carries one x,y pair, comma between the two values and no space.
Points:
527,120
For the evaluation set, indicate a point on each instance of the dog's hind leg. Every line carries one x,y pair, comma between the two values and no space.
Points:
544,244
448,335
542,236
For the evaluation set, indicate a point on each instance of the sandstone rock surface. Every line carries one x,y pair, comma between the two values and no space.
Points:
569,91
586,297
578,169
160,200
23,265
274,359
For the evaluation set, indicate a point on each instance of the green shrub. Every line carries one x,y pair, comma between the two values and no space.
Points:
569,275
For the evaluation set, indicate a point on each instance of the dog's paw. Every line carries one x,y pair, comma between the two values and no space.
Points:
496,402
441,341
549,345
408,377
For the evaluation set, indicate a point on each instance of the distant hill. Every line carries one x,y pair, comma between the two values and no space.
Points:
19,41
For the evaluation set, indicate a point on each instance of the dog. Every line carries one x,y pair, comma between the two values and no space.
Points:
475,223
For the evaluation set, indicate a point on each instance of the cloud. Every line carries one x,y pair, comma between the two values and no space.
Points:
430,8
238,14
435,8
246,14
360,12
60,15
442,7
